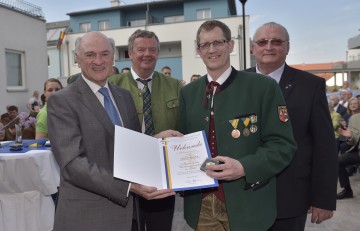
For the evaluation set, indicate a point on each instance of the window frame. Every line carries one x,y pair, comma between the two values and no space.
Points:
22,85
204,13
87,29
103,25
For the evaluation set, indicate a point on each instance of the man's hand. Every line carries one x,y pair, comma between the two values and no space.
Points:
150,193
168,133
230,169
320,215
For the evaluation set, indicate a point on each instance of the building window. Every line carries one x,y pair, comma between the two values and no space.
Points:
141,22
104,25
48,61
15,73
85,27
172,19
203,14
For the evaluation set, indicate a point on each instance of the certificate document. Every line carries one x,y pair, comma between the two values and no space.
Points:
165,163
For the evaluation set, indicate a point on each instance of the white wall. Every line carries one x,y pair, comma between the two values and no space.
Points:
26,34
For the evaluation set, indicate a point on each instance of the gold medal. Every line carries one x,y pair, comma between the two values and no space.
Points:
246,132
235,133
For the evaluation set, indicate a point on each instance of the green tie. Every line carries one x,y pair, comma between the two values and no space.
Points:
149,126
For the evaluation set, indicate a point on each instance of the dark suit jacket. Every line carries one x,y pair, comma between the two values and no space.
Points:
264,152
311,178
341,110
82,140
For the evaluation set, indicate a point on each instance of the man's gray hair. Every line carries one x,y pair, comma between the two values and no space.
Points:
79,40
285,32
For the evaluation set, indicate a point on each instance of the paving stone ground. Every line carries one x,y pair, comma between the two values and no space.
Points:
346,216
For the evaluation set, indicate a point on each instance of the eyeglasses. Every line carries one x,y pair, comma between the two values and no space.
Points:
216,43
273,42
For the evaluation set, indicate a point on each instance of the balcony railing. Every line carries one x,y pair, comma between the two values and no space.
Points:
23,7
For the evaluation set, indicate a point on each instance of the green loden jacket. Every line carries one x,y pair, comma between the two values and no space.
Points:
164,98
258,104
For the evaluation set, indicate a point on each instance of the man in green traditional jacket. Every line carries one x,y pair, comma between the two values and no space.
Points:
249,132
144,47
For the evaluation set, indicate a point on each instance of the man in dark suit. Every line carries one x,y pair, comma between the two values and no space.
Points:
309,182
337,106
81,132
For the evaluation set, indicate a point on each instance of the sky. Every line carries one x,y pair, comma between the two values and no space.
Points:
319,29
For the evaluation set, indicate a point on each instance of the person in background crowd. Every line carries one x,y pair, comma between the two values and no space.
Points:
337,106
345,96
251,138
351,157
166,70
34,103
309,183
81,132
335,118
125,70
50,87
345,86
5,118
13,111
2,132
43,99
144,48
352,108
194,77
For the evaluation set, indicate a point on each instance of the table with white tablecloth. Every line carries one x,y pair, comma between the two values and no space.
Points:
27,181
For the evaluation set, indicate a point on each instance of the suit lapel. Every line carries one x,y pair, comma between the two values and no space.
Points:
120,103
287,82
89,99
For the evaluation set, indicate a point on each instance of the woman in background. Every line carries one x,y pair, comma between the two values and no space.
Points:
34,104
50,87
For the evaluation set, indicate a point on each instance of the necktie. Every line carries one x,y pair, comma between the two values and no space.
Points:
110,107
211,91
149,125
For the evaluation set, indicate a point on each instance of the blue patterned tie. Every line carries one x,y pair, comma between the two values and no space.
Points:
149,125
110,107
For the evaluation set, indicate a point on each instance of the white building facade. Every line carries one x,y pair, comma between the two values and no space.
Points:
175,22
23,55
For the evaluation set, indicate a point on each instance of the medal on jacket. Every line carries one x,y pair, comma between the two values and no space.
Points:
235,133
246,122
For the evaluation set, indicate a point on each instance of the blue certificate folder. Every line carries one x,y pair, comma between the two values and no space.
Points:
165,163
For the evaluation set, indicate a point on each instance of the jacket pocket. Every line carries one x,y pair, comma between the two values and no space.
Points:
173,103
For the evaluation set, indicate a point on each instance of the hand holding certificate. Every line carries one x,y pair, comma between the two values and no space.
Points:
165,163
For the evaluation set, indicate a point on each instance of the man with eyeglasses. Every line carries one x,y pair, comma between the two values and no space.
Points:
309,182
248,133
142,80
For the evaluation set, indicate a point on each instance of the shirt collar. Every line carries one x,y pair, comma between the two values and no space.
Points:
223,77
135,76
275,74
93,86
